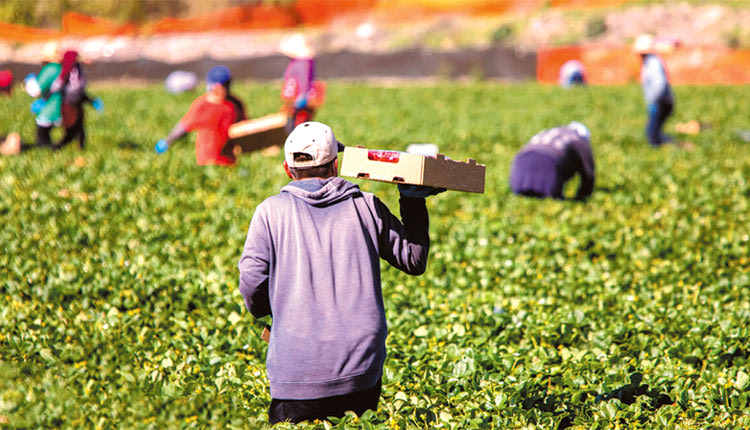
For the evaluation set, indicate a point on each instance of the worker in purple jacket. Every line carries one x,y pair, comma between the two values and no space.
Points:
311,262
551,158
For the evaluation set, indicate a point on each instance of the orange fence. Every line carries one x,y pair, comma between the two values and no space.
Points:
86,26
586,4
21,33
606,65
319,12
472,7
235,18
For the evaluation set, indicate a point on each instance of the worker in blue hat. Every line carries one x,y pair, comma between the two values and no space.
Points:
210,115
551,158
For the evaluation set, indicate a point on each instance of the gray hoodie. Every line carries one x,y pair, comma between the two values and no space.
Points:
311,260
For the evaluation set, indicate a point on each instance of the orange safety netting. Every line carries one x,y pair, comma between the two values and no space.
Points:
22,33
475,7
585,4
234,18
606,65
708,65
318,12
550,60
84,25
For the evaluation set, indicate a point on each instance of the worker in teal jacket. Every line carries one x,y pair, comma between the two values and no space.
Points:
46,86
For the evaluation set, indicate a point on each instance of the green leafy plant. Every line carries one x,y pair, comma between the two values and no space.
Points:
118,276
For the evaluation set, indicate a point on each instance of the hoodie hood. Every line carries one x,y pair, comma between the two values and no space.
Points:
322,192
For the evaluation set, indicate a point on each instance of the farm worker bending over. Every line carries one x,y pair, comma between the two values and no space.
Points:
210,115
656,89
572,73
48,108
299,75
311,261
543,166
73,81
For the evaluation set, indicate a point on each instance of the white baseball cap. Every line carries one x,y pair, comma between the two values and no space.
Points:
314,139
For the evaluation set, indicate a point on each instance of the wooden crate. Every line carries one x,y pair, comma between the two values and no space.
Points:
255,134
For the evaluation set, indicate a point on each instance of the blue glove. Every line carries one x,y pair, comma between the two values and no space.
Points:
300,103
418,191
161,146
98,104
652,108
37,106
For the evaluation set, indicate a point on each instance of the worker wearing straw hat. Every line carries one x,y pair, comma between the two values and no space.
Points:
298,89
656,89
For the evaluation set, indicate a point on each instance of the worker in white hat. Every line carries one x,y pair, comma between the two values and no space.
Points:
299,77
656,89
312,261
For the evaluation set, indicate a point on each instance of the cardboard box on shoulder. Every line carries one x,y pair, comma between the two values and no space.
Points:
415,169
255,134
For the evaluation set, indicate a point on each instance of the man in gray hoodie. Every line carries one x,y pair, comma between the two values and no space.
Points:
311,261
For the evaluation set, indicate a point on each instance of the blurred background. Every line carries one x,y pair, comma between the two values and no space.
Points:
383,39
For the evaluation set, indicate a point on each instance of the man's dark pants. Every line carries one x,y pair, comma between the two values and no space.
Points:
296,411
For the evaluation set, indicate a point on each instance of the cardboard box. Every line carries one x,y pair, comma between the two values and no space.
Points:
254,134
406,168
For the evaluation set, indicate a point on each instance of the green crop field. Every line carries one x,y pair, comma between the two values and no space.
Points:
119,305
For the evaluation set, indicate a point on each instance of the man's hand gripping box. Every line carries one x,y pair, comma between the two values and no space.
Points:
406,168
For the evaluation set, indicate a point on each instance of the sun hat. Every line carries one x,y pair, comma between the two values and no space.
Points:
51,52
581,130
218,75
644,44
296,46
314,139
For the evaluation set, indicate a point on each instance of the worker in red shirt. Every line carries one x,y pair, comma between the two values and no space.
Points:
210,115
